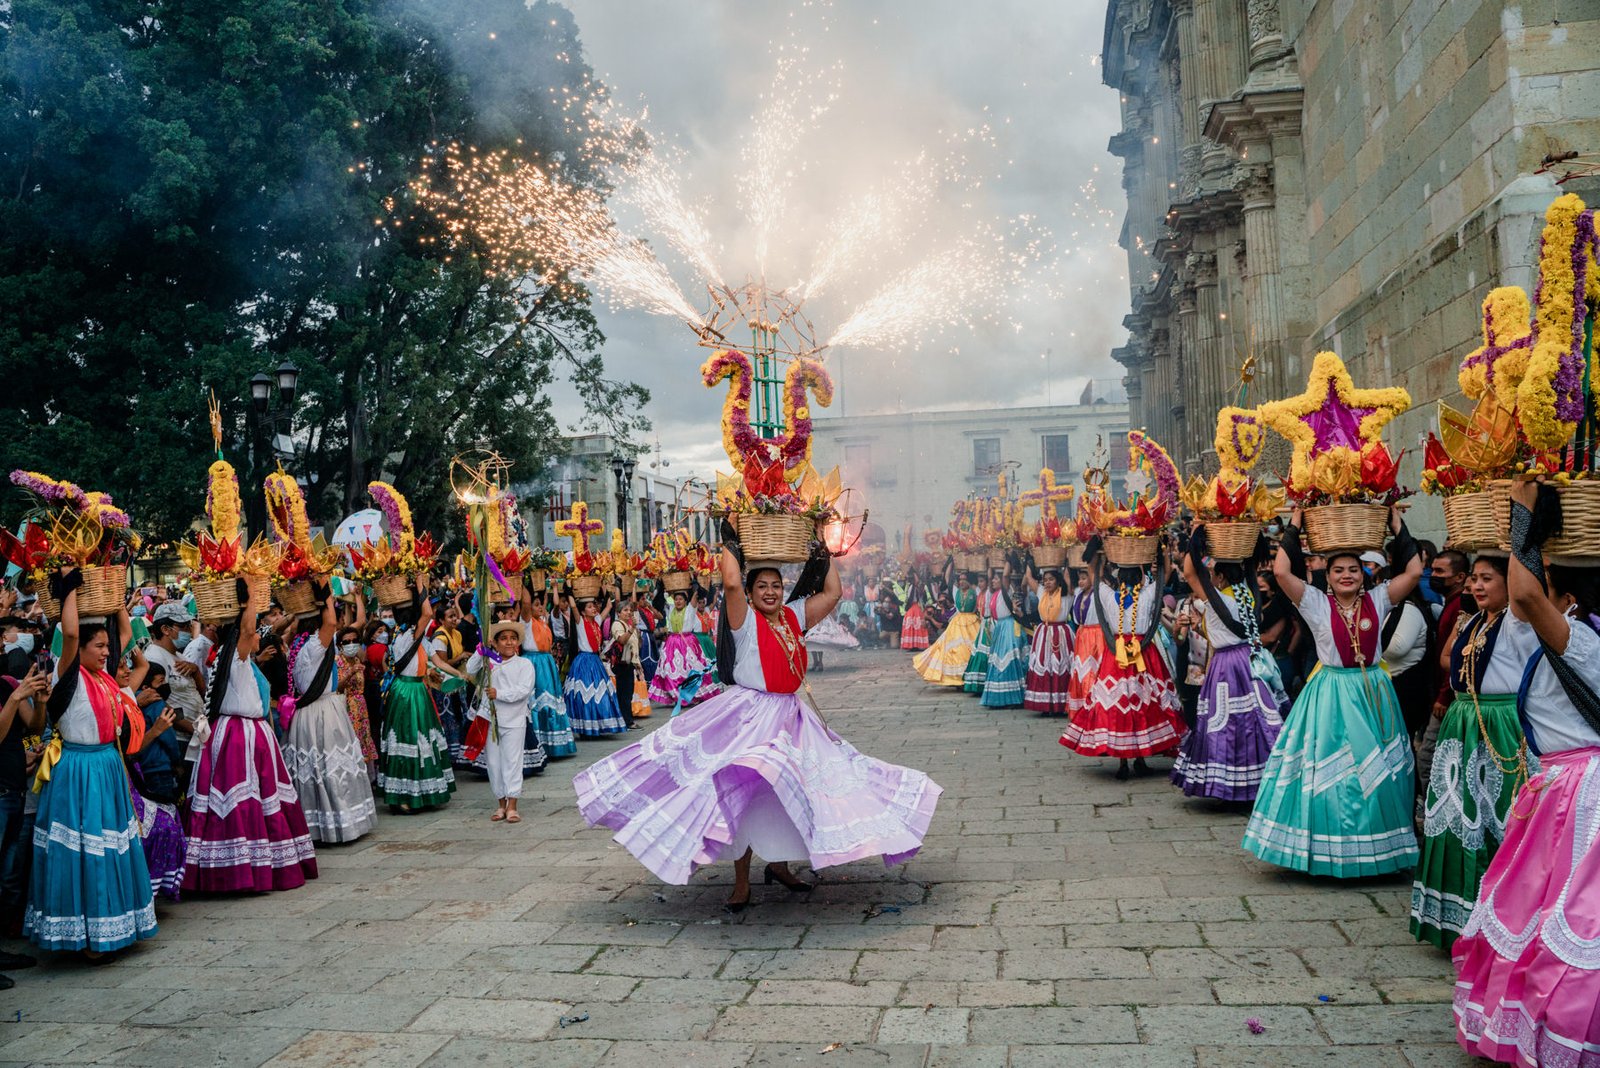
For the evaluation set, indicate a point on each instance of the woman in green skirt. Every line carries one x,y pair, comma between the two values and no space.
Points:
414,769
1337,794
1480,762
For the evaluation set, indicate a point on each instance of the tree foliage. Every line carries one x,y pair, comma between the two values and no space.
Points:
193,192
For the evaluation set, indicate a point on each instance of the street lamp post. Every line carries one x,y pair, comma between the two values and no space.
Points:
622,470
263,415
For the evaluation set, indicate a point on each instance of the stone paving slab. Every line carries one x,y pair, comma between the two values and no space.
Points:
1056,917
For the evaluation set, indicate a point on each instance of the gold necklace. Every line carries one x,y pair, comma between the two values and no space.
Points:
1516,766
786,638
1349,617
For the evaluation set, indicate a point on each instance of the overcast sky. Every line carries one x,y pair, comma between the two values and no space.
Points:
911,73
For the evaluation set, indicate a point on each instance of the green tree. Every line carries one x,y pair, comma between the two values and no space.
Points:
195,192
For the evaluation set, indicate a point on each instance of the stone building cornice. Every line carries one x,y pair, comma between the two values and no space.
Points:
1255,117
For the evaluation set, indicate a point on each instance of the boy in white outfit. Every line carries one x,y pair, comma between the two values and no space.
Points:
511,683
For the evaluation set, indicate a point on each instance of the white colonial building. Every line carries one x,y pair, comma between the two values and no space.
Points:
908,468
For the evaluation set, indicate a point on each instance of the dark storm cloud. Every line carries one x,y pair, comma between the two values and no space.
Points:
912,72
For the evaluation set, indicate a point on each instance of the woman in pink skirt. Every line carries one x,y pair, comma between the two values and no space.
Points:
755,769
245,825
1528,960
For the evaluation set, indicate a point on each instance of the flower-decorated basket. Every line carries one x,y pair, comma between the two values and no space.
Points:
1334,527
1050,556
392,590
1138,550
1233,540
782,538
217,600
1469,521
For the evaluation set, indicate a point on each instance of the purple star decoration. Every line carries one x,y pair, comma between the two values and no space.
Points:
1336,424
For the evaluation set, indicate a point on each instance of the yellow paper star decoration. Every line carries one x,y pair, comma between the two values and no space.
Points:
1331,415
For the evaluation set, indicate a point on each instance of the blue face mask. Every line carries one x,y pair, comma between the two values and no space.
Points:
182,640
24,642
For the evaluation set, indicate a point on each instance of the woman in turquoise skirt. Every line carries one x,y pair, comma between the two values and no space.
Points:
1337,794
1007,669
977,672
1480,762
90,886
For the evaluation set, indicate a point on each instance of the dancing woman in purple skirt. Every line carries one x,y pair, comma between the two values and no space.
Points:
1237,719
755,770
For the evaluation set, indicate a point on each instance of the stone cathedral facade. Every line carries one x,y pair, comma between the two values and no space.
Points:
1352,175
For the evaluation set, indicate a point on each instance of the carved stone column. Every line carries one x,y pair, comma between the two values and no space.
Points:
1158,385
1266,32
1208,346
1263,281
1183,374
1188,99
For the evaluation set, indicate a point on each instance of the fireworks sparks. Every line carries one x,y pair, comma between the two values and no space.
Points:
559,224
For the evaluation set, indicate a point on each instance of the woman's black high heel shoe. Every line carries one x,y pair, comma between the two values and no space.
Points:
771,875
737,906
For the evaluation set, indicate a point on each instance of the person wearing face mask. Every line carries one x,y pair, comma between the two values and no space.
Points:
353,687
173,650
755,770
19,644
1336,795
1448,578
1527,973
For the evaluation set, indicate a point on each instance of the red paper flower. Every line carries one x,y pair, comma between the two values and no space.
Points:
1378,468
31,552
221,556
1445,471
765,480
1232,505
1150,519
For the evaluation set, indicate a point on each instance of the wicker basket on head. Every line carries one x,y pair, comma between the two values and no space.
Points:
676,581
393,590
1233,540
498,594
217,600
1469,521
1049,556
784,538
585,587
296,598
537,579
969,562
1580,521
103,593
1358,527
1075,555
1125,550
995,559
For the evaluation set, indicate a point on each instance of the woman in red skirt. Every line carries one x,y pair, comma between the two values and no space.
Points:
1049,678
1127,707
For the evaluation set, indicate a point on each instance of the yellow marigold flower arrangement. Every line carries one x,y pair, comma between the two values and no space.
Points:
286,504
222,501
1507,340
1550,398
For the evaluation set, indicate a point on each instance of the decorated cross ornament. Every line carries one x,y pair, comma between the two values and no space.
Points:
579,527
1047,496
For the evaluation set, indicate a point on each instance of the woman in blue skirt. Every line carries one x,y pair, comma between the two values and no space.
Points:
90,886
590,693
1007,669
1336,797
547,715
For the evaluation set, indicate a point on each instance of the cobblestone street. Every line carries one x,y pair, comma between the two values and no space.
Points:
1055,917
